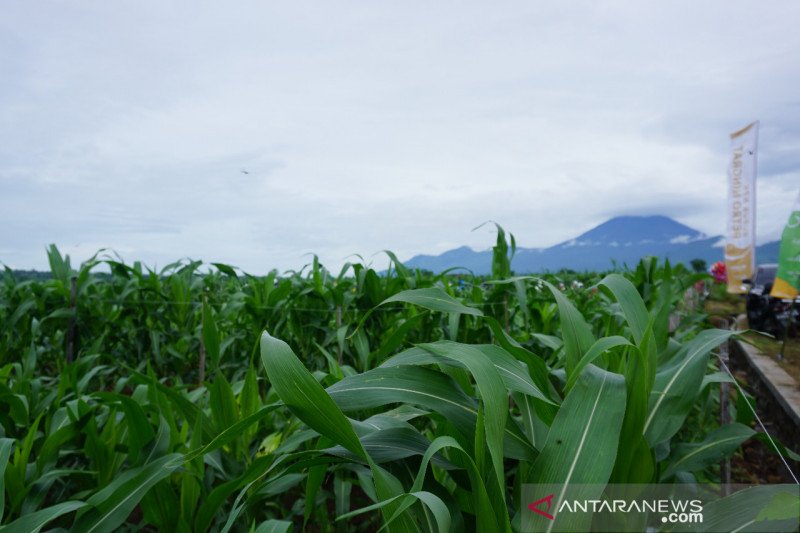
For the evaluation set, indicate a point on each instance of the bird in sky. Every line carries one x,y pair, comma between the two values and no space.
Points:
243,171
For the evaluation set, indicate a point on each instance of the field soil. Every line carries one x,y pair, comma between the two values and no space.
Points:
756,463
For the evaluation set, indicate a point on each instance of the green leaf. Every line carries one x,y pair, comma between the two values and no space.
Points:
677,385
432,298
717,445
514,375
140,432
307,399
783,506
536,366
211,339
741,511
274,526
631,303
226,269
598,348
305,396
492,390
224,411
575,331
216,498
6,445
393,444
110,507
772,443
415,385
230,433
34,522
581,445
398,336
424,387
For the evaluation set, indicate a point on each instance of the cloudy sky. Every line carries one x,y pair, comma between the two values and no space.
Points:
371,125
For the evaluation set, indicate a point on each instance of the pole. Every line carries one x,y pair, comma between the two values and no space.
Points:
724,415
789,324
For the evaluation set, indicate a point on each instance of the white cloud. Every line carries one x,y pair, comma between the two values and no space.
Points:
382,126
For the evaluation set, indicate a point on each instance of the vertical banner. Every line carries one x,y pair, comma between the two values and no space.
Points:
740,244
787,280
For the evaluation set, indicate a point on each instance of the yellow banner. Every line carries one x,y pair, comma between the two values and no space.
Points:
740,243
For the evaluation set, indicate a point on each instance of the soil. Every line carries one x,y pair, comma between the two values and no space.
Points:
755,462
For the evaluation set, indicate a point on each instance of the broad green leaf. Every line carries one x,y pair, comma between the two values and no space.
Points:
741,511
6,445
398,336
226,269
211,339
783,506
34,522
676,386
775,446
212,502
110,507
631,303
514,375
140,432
424,387
274,526
717,445
316,476
582,443
492,390
305,396
408,384
598,348
311,404
434,503
230,433
224,411
393,444
575,331
432,298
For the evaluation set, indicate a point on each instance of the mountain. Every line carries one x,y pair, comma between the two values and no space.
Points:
620,240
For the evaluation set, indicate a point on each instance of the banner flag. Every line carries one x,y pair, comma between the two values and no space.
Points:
740,245
787,280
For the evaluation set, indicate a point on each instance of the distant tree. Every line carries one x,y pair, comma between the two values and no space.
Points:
699,265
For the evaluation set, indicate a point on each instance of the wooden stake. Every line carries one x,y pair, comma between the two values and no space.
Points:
724,419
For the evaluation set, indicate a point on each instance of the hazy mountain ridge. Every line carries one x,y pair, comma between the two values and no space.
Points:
620,240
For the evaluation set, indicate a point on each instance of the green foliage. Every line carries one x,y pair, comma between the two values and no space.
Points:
398,399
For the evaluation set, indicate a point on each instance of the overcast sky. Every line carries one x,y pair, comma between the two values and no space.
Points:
364,126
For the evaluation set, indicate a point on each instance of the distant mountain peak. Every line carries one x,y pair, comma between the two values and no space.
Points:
636,230
621,240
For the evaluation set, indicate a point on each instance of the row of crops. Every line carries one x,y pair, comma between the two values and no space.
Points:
209,399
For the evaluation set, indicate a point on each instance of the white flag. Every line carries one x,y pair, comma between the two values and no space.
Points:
740,245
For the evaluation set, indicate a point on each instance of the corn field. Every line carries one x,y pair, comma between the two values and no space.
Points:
201,398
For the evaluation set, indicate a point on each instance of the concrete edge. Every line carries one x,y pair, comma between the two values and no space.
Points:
781,385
